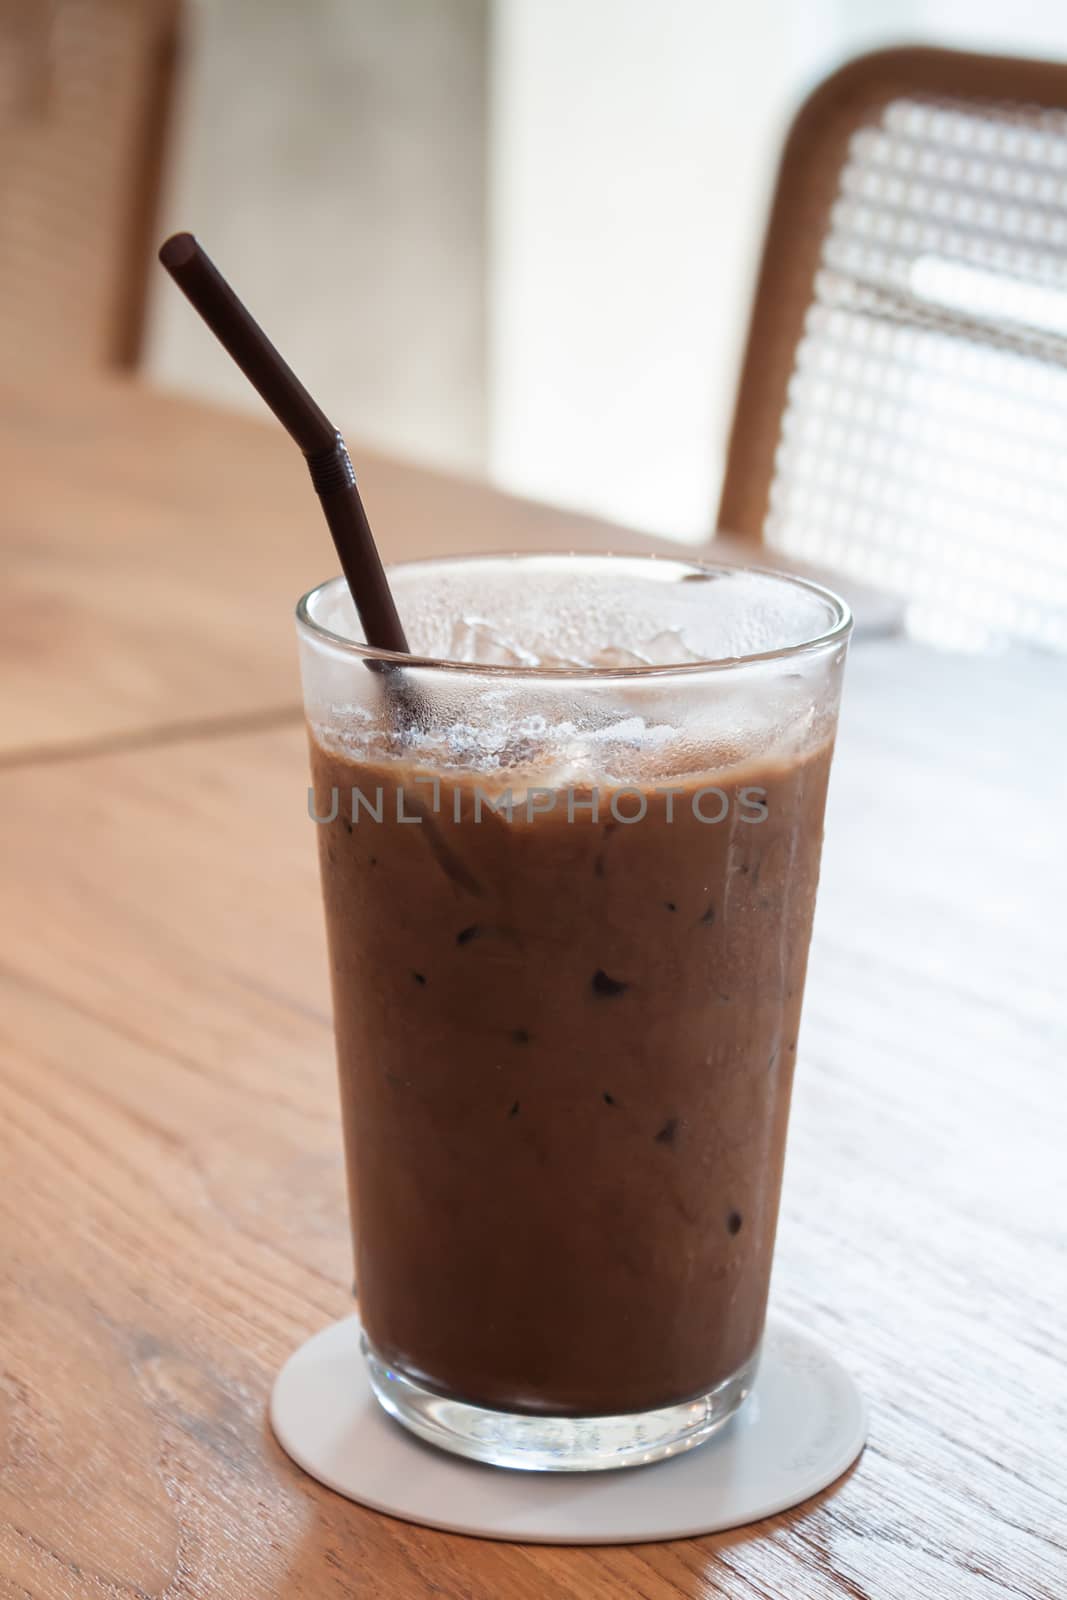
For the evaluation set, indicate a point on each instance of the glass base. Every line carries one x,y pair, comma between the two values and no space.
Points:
556,1444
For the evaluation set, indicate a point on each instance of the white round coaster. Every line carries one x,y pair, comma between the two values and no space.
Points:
803,1424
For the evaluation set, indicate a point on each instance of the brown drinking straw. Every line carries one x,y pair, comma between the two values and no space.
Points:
324,449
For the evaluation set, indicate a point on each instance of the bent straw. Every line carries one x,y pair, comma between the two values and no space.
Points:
324,449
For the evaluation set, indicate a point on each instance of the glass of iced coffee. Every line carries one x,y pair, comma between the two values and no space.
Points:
569,852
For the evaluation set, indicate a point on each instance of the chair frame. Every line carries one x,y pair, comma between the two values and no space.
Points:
112,267
809,174
130,305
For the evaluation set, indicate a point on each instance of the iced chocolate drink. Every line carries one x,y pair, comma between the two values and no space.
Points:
569,889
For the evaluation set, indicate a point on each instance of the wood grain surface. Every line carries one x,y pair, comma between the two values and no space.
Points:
153,550
172,1217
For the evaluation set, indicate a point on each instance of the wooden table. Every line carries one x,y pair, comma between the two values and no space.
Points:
154,550
172,1219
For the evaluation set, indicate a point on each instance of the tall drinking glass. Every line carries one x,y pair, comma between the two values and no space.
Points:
569,854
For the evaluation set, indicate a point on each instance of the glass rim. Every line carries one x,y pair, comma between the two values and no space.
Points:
836,633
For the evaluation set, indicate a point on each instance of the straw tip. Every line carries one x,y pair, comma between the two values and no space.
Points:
178,250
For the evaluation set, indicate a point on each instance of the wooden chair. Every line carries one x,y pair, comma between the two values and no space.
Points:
85,88
902,410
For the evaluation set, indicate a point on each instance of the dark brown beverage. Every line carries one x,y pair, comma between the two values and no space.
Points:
566,1048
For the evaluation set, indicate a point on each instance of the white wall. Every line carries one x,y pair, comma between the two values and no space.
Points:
626,175
331,154
631,159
